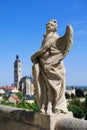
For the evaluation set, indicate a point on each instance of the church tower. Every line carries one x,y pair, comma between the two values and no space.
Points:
17,71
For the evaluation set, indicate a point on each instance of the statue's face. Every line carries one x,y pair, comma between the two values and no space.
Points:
50,26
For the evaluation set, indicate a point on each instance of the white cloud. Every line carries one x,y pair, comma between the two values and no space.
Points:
80,22
80,32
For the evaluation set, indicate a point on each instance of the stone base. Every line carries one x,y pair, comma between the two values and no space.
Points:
48,122
18,119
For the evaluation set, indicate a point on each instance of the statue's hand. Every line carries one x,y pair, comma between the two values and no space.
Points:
33,59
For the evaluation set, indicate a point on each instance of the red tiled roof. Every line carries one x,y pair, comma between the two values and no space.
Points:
9,87
16,98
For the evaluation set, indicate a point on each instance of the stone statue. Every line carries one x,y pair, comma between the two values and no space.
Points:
49,71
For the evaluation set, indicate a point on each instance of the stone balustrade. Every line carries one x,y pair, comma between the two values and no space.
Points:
12,118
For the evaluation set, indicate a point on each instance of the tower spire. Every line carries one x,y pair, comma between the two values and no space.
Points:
17,57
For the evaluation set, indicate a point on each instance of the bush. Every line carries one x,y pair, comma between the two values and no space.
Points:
77,111
77,102
85,108
19,94
28,106
35,107
0,94
5,97
79,93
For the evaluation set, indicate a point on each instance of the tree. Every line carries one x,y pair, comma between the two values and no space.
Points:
35,107
77,111
79,93
85,108
0,94
19,94
5,97
78,103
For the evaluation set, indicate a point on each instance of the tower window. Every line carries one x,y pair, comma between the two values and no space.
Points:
15,71
15,65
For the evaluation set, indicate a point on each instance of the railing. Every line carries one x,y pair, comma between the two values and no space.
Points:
12,118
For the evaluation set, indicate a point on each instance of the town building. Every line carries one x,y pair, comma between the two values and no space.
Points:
26,87
24,84
13,99
30,98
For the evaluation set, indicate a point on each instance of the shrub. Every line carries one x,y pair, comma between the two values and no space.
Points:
85,108
79,93
5,97
19,94
77,111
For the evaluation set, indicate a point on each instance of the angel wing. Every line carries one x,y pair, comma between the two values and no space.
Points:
65,42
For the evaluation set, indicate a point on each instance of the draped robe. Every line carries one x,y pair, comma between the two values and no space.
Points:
49,76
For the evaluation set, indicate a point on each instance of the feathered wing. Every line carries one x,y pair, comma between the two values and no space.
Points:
65,42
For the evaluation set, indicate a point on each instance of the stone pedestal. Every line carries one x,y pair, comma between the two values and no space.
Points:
48,122
12,118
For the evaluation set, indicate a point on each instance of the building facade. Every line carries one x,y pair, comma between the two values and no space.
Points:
24,84
26,87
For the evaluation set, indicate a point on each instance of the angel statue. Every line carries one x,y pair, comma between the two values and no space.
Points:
49,71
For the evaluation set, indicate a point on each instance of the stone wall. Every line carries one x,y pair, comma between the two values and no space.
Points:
18,119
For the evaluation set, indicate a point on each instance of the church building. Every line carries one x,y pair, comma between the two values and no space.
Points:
24,84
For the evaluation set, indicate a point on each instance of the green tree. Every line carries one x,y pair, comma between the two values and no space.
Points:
85,108
0,94
35,107
79,93
25,105
5,97
77,111
77,102
19,94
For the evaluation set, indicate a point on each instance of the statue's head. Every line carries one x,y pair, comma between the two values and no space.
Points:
52,25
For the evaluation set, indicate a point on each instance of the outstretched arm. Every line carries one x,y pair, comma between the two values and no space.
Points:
38,54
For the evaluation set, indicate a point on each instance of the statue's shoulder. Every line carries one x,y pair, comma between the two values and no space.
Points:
55,35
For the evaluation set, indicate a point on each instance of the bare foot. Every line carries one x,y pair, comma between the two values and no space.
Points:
49,111
42,111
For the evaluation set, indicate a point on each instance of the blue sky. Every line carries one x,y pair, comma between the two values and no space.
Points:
22,25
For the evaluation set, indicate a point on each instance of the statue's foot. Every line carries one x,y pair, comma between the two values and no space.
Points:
64,111
57,111
49,111
42,111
